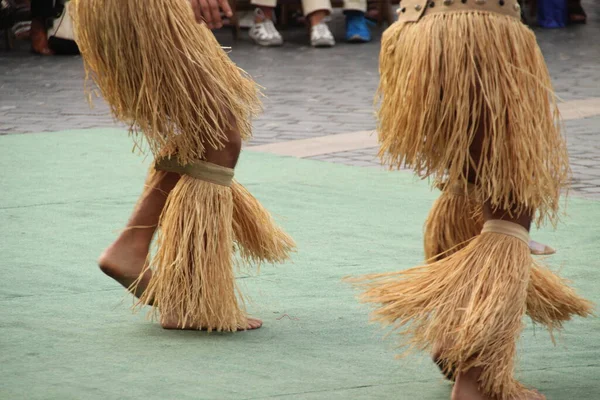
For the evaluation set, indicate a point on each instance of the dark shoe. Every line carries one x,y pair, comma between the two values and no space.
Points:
576,13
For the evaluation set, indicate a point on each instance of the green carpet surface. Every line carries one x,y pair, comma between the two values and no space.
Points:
67,332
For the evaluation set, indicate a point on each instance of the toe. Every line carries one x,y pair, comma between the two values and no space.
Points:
254,323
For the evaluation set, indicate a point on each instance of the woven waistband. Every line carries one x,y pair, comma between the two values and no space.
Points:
413,10
506,228
203,170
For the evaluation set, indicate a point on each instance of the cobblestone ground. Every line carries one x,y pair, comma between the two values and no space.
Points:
310,92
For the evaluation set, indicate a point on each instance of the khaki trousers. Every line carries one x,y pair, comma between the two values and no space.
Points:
310,6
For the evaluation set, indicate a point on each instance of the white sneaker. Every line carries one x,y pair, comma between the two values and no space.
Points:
246,19
264,32
320,36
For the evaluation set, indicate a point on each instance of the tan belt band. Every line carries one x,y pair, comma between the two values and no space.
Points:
506,228
203,170
413,10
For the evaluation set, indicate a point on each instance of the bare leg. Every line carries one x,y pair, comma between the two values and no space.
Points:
267,13
126,258
466,386
225,157
41,10
39,37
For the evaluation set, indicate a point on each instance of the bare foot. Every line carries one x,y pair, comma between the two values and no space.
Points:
172,323
540,249
125,260
467,388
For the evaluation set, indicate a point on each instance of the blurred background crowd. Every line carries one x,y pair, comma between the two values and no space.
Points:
46,23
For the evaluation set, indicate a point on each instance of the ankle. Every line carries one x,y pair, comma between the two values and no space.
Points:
466,385
137,239
317,17
37,31
263,14
38,25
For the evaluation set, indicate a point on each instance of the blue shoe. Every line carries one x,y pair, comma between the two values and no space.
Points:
357,30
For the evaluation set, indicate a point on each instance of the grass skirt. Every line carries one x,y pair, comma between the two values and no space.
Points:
164,74
444,76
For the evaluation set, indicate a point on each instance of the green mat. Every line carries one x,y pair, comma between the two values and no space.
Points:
66,331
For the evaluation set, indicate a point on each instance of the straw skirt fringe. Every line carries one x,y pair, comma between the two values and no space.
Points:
164,74
450,72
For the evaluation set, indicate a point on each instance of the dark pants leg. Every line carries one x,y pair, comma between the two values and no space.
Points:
42,9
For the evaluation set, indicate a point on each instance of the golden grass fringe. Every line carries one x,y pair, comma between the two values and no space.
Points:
551,301
193,278
456,219
476,297
464,70
258,237
453,220
163,74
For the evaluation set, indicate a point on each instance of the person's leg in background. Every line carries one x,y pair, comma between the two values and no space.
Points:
41,10
316,12
357,30
576,13
263,31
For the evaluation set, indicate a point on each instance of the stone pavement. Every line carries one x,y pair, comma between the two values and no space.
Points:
312,93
